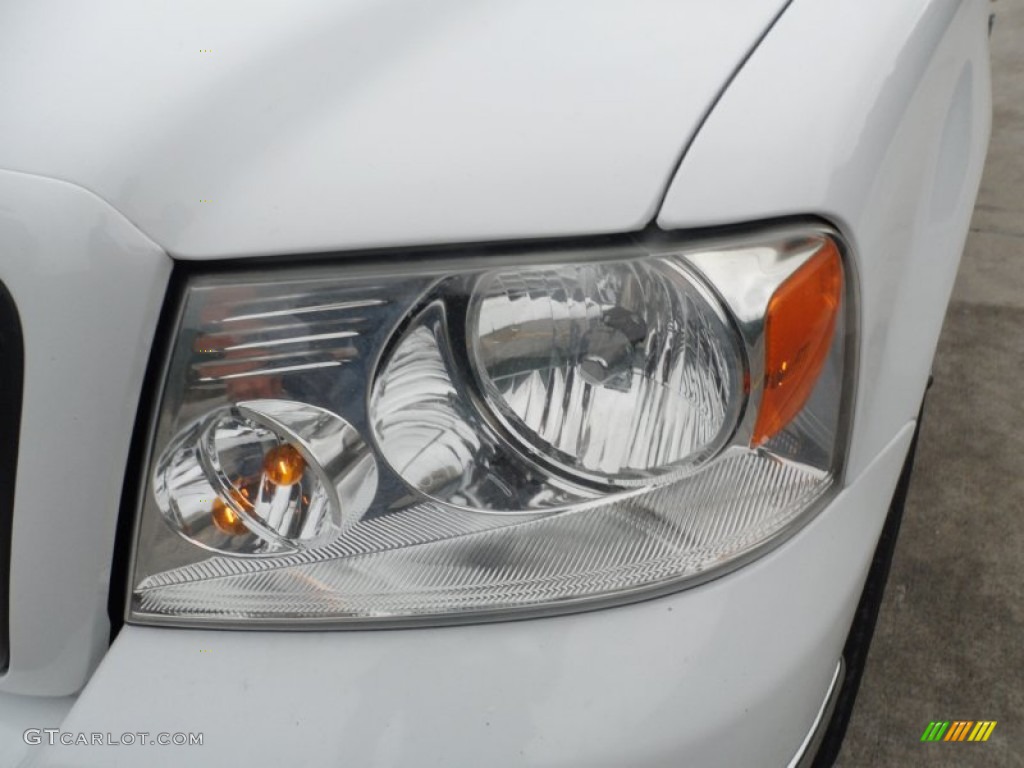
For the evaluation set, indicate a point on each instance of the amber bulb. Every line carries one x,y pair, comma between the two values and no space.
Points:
226,519
284,465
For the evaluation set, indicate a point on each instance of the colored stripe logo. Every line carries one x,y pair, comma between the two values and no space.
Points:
958,730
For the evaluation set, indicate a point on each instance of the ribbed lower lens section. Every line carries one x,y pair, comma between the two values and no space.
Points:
431,560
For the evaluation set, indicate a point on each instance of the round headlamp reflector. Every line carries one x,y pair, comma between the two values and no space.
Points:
617,371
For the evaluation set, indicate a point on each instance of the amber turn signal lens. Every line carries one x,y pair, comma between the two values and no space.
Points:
799,325
284,465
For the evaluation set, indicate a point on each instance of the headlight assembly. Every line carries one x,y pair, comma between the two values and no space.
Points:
461,440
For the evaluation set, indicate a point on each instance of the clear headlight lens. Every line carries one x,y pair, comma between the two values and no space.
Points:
343,444
618,372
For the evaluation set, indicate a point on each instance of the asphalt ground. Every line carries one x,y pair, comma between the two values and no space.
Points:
949,644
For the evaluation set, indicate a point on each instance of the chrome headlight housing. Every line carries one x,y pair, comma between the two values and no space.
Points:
440,439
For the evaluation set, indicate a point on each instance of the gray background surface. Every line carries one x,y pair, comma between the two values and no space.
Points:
950,638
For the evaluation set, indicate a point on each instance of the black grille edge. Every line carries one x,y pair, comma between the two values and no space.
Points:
12,374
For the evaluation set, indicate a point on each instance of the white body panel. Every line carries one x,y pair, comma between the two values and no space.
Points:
893,158
324,125
88,288
728,674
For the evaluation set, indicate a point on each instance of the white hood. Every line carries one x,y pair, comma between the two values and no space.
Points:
336,124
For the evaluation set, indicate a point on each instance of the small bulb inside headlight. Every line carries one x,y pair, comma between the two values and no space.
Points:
226,520
284,465
264,476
